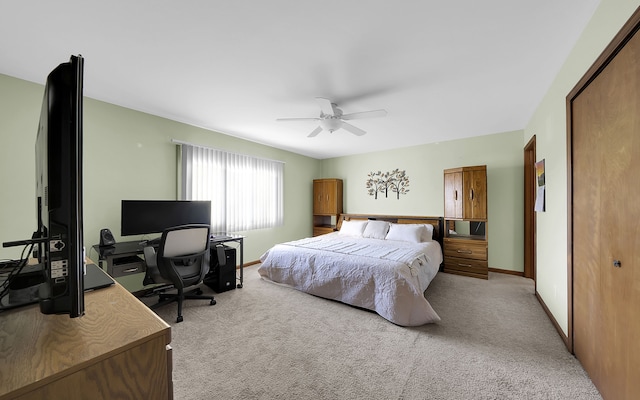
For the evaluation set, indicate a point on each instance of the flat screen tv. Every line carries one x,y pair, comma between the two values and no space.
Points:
141,217
59,191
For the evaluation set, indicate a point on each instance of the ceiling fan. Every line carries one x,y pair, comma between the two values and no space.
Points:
331,118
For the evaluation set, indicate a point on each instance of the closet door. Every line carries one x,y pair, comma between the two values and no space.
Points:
605,119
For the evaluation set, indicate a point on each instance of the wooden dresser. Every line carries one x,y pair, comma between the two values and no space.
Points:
327,205
118,349
465,212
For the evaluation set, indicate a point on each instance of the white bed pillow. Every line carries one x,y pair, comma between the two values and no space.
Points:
376,229
427,235
412,233
352,228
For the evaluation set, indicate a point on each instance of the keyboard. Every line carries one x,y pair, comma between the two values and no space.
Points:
220,237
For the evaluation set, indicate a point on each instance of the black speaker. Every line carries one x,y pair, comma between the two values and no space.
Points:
106,238
222,269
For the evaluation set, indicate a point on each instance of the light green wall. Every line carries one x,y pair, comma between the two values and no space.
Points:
20,103
502,153
127,155
548,124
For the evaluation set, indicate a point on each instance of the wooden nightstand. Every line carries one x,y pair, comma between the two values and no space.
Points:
466,256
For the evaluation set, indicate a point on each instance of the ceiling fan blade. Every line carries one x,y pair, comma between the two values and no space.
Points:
365,114
298,119
315,132
325,106
353,129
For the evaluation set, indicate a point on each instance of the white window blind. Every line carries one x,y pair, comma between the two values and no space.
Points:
245,192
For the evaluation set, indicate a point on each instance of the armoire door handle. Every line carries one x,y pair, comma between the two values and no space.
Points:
617,264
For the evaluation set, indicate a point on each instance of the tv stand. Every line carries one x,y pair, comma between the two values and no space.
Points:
57,357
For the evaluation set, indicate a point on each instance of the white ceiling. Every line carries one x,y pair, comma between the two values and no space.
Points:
442,69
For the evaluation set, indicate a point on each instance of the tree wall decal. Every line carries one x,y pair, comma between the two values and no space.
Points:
395,181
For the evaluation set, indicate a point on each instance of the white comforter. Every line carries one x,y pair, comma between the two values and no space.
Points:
386,276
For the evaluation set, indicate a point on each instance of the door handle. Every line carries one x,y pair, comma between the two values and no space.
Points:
617,264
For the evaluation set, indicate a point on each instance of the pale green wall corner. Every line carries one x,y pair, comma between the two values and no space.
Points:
502,153
127,155
549,126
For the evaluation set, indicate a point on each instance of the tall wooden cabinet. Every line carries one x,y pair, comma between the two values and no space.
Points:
465,212
465,193
327,205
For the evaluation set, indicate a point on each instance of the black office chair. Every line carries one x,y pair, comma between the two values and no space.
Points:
183,261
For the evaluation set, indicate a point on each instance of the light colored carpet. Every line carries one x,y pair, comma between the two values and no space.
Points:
267,341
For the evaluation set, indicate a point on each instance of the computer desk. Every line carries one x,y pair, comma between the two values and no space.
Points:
123,258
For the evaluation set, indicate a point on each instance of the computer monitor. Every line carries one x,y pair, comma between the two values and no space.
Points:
59,197
141,217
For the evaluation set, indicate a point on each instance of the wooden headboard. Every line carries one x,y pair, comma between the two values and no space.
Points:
437,222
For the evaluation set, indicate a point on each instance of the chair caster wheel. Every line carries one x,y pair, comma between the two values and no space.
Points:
212,302
179,319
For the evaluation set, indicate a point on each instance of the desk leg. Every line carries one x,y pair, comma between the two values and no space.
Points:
239,286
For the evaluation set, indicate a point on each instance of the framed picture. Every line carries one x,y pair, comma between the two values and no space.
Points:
540,206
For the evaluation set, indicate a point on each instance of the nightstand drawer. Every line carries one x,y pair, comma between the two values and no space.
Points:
321,230
467,267
466,249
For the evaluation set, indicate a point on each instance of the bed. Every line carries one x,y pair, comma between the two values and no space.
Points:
377,262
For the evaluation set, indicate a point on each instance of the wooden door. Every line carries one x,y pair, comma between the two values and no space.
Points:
453,195
605,132
530,185
475,194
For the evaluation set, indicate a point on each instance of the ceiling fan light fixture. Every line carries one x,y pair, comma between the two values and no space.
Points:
331,118
331,124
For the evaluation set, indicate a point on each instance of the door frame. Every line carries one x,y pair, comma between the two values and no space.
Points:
530,232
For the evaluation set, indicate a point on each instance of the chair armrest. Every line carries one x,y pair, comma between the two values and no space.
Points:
150,256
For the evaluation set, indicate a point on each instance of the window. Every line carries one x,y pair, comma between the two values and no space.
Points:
245,192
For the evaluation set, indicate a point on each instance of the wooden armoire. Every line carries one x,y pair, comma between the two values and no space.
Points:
603,115
465,193
465,200
327,205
